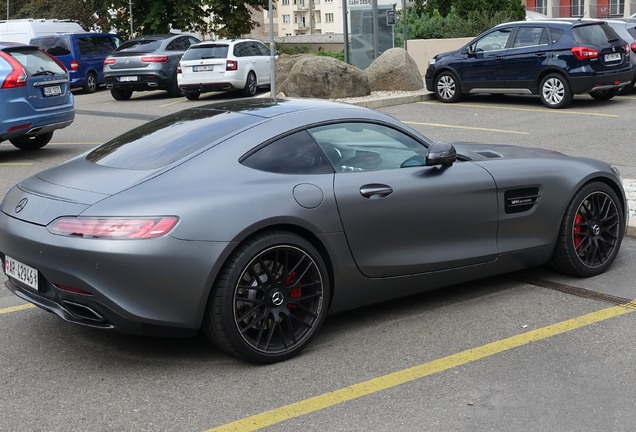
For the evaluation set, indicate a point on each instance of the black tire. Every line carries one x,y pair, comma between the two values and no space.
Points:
269,300
591,232
447,88
90,86
555,91
626,90
604,95
32,142
250,85
120,94
192,95
174,90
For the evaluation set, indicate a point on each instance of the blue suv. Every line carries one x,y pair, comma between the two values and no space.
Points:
554,59
82,54
34,95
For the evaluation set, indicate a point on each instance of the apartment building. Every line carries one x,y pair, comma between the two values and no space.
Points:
583,8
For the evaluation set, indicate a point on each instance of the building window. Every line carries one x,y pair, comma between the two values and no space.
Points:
286,19
617,7
328,17
285,2
541,7
328,1
578,8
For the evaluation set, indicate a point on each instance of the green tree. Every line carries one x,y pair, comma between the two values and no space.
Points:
90,14
514,8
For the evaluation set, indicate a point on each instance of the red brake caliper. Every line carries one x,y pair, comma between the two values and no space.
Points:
296,292
577,232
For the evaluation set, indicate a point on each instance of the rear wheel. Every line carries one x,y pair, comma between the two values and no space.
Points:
603,95
591,232
90,86
121,94
174,90
32,142
192,95
250,84
269,300
555,91
626,90
447,88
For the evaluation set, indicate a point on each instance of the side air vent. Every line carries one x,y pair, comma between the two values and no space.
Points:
521,200
489,154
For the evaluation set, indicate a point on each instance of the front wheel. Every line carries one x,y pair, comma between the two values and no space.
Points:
32,142
591,232
603,95
555,91
447,88
269,300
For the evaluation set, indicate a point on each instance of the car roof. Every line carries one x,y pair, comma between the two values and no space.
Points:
564,22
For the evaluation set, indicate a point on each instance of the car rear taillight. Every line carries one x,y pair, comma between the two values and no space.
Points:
74,65
109,61
231,65
17,77
154,59
113,228
633,47
582,53
179,68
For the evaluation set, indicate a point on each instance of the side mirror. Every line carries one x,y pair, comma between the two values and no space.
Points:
441,153
470,50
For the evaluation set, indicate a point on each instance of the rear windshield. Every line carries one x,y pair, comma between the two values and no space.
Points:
595,34
35,62
169,139
206,52
56,46
139,45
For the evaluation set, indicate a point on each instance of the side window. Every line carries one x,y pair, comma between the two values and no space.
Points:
56,47
530,36
179,44
353,147
555,34
240,50
86,45
294,154
264,49
496,40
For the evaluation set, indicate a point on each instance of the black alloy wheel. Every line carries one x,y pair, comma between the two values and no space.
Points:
250,84
269,300
90,86
591,232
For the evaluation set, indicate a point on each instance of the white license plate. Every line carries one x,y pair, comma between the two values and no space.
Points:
21,272
52,91
127,78
612,57
206,68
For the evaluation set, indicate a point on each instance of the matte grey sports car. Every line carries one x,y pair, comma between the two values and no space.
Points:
253,219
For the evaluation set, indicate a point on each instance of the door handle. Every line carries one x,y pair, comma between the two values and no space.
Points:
374,191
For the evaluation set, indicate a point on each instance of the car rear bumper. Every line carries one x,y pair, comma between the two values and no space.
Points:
147,81
209,87
587,82
25,120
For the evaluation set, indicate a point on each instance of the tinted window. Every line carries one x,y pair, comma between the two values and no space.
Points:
139,45
367,147
56,46
531,36
35,61
206,52
293,154
596,35
168,139
555,34
179,44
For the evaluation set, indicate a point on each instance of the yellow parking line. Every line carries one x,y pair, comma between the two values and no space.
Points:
391,380
466,127
77,143
16,308
172,103
545,111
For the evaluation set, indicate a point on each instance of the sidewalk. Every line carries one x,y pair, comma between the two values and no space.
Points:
386,99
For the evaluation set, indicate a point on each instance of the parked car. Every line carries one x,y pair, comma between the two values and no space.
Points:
627,31
254,218
554,59
34,95
23,30
224,65
82,54
146,63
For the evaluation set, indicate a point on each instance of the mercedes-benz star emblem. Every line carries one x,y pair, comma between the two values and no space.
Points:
277,298
21,205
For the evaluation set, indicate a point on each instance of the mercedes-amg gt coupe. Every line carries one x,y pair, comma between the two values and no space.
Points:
253,219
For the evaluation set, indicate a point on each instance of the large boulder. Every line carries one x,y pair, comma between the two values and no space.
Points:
319,77
394,70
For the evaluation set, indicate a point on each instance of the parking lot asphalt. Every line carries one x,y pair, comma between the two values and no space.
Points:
386,99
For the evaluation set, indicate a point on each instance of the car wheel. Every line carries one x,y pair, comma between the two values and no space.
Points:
174,90
90,86
192,95
555,91
447,87
32,142
626,90
121,94
591,232
603,95
250,84
269,300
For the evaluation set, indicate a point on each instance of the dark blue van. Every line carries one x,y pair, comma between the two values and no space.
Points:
83,55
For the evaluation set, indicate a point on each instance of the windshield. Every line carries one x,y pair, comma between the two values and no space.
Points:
206,52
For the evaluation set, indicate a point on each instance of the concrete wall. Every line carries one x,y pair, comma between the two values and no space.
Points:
422,50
